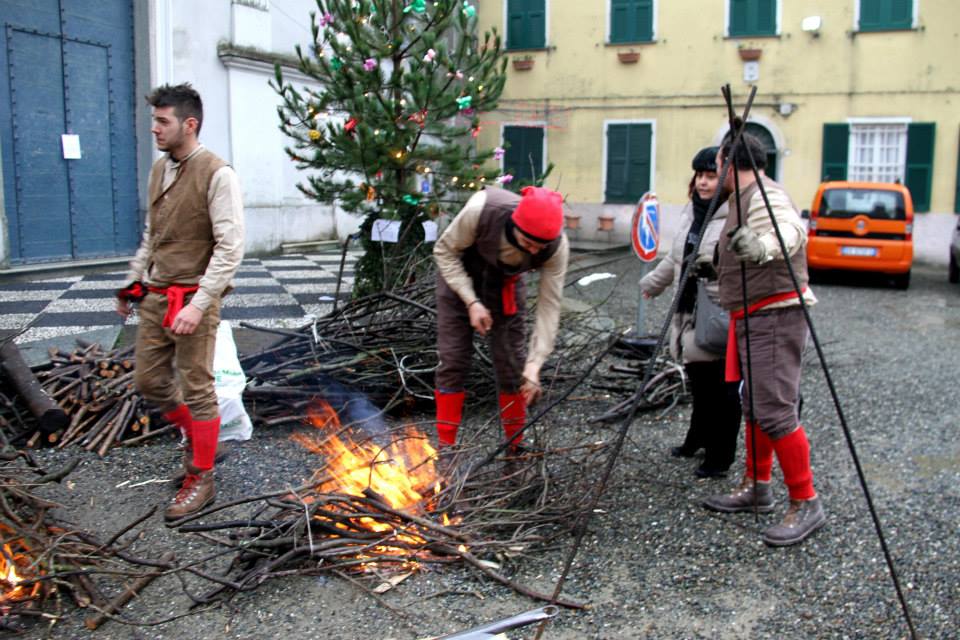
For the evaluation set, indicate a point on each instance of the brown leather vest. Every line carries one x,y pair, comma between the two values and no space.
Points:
763,280
181,233
481,261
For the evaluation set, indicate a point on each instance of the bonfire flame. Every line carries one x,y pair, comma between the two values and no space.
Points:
11,582
402,474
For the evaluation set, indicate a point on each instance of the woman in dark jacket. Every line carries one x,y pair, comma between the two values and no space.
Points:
715,419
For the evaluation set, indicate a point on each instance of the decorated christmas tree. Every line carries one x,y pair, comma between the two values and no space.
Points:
390,131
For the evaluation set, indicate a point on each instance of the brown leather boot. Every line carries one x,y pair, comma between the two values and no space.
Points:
742,498
223,451
197,492
802,518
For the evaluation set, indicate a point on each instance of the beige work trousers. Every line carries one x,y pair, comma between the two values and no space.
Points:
176,369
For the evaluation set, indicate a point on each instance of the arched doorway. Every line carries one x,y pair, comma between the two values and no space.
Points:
765,137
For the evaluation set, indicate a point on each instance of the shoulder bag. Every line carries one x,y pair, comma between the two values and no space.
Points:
710,323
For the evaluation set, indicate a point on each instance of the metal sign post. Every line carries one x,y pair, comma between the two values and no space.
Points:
645,239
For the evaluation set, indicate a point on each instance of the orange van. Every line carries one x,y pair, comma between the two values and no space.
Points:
862,226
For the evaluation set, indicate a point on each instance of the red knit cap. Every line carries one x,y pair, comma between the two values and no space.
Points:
539,214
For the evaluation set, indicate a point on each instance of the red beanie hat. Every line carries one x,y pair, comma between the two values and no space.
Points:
539,214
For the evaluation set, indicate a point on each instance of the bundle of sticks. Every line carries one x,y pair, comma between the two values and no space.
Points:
95,388
41,560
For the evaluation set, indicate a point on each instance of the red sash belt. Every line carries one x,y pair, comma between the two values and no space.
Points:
175,294
732,366
509,295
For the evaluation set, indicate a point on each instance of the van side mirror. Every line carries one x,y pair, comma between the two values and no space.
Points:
805,214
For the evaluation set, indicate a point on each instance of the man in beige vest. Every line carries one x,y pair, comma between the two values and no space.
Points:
752,266
191,248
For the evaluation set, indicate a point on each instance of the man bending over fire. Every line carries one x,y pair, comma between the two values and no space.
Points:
481,258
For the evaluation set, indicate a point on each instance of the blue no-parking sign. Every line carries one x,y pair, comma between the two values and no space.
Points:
645,230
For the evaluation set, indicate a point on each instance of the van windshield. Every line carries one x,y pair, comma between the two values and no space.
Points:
874,203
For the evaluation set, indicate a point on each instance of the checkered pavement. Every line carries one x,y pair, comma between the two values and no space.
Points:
277,292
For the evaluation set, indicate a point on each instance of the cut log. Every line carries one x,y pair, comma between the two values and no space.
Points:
49,415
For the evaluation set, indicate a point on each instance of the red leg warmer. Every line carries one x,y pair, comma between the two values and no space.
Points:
793,452
205,436
513,414
764,452
449,416
182,418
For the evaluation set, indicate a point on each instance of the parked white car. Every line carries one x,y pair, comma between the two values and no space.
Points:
955,254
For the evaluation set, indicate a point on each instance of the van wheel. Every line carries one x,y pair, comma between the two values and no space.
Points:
954,275
902,280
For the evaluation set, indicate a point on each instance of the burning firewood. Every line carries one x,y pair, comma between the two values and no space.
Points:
40,559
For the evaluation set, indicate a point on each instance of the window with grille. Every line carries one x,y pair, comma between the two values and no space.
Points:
878,152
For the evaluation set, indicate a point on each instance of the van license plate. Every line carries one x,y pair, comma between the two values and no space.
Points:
858,251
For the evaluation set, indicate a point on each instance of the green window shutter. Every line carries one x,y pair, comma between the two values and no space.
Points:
752,18
631,21
836,142
628,162
919,178
526,24
524,153
885,15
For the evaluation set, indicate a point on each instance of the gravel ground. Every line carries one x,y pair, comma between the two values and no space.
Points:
654,563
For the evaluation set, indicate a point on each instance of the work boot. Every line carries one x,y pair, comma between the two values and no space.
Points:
223,450
197,492
742,498
802,518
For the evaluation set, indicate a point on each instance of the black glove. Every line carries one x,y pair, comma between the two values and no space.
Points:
133,292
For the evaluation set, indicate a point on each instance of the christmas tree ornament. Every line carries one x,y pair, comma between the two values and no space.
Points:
504,179
463,102
498,153
371,193
326,20
419,117
336,63
475,131
350,126
469,10
369,64
417,6
411,199
430,55
314,134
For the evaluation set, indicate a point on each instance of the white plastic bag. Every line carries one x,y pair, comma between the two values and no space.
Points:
229,382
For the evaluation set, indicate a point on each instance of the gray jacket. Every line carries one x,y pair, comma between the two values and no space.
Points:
667,272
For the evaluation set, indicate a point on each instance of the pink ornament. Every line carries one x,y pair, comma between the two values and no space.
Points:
498,153
327,19
369,64
504,179
430,55
459,74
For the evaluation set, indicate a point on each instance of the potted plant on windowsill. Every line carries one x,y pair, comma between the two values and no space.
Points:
750,55
628,57
605,222
572,222
523,64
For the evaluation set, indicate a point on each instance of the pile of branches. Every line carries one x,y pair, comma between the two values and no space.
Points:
666,388
487,515
42,560
382,346
94,387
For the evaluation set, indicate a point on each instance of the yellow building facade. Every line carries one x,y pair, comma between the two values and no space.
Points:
620,94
